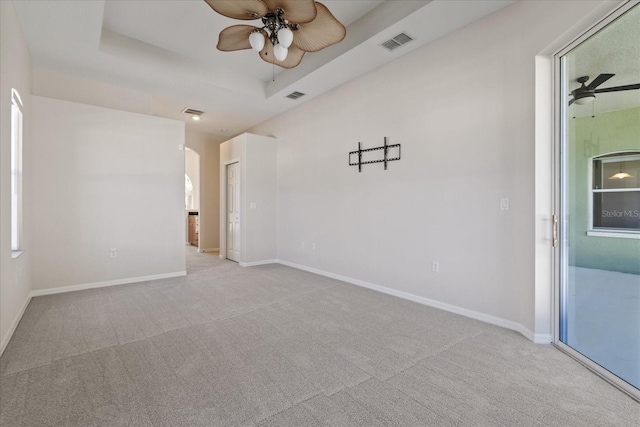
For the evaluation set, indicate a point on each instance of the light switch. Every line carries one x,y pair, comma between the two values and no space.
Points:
504,204
253,205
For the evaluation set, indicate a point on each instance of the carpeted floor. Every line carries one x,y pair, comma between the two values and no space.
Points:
275,346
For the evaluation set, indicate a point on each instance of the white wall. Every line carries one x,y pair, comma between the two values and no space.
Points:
463,109
258,186
15,72
261,177
53,84
209,214
104,179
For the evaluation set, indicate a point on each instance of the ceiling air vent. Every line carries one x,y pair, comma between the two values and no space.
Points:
192,111
397,41
295,95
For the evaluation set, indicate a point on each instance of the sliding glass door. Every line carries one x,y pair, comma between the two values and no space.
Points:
599,199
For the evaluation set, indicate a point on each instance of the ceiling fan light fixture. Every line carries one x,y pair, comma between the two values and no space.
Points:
620,175
280,52
256,40
587,98
285,37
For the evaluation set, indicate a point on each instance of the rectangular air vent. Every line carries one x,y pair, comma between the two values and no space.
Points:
397,41
192,111
295,95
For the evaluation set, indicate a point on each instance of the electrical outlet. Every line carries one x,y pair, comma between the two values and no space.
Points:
313,245
113,252
435,267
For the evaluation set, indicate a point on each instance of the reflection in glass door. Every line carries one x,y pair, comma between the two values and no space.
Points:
600,200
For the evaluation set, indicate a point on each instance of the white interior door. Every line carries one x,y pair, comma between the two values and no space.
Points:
233,212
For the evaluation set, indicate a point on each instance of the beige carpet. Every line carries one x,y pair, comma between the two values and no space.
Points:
274,346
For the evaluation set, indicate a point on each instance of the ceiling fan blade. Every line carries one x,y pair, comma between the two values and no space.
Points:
599,80
322,32
235,37
572,101
292,60
618,88
239,9
295,11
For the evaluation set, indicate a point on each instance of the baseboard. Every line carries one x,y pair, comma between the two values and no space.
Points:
14,325
254,263
529,334
543,338
210,250
508,324
126,281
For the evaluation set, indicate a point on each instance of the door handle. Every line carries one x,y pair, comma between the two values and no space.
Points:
554,243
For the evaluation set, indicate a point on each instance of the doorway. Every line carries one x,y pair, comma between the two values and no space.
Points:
233,211
192,196
598,202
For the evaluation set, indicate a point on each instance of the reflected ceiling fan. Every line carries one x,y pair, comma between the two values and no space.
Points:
586,94
290,28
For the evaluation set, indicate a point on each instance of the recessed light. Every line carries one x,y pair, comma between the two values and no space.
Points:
224,130
196,118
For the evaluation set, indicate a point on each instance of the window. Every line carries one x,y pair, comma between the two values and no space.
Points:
188,193
16,171
615,194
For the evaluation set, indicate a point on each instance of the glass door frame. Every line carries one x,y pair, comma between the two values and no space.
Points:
560,275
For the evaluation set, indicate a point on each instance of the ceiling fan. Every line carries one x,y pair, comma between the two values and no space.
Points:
290,28
586,94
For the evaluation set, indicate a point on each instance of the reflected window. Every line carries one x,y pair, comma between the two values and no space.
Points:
188,192
16,170
615,190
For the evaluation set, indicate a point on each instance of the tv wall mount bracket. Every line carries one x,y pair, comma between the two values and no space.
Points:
356,157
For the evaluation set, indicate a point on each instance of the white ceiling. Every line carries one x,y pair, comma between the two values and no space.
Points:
167,48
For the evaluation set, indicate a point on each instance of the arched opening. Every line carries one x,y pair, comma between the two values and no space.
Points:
192,196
